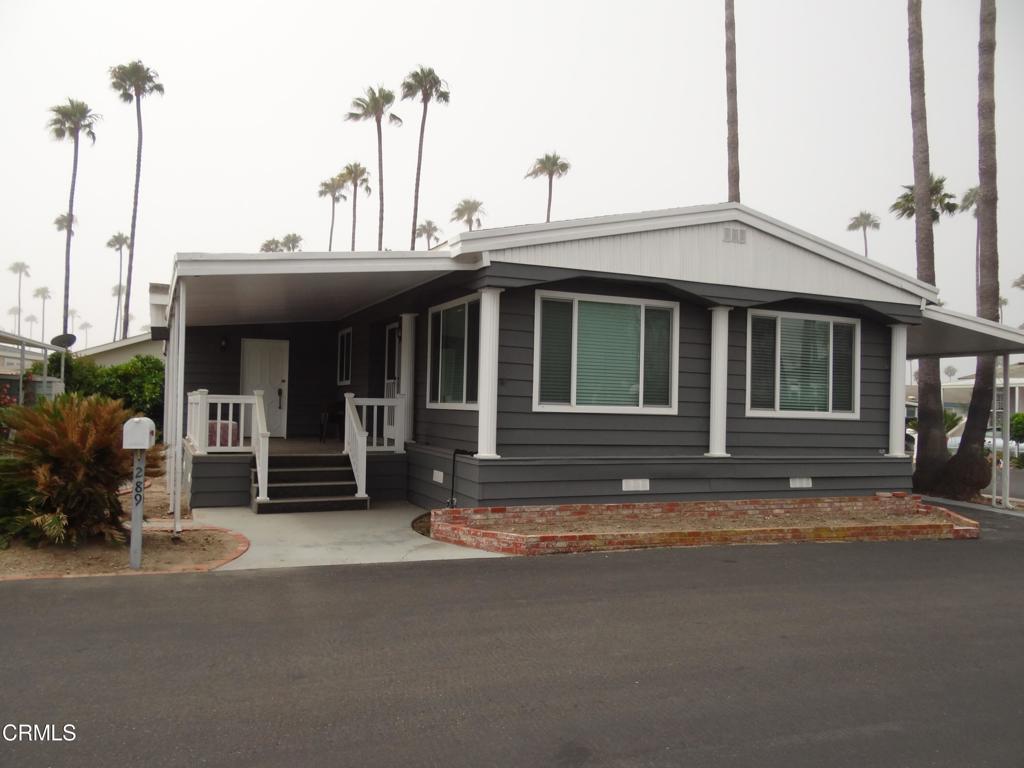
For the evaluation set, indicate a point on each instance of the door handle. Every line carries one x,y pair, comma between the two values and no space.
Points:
280,393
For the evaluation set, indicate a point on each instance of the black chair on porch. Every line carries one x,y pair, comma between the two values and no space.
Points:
332,413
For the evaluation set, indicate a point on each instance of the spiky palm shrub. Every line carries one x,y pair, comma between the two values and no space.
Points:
70,450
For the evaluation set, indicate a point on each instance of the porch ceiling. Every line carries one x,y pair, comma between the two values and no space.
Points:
944,333
278,298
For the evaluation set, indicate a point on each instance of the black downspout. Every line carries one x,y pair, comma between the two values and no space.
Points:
451,490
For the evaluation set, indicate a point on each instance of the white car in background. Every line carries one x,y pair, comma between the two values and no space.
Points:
953,444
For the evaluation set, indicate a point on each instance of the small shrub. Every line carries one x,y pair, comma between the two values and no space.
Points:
1017,427
69,452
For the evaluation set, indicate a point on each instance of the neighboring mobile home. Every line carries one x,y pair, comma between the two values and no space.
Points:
704,352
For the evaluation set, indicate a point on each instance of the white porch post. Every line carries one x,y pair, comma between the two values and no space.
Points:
487,375
898,392
179,412
719,394
407,372
1006,433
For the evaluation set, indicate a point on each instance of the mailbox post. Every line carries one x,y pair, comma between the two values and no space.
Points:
139,435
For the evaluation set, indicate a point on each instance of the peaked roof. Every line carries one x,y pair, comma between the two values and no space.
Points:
649,221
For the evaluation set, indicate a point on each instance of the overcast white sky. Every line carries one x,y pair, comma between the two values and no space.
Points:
633,94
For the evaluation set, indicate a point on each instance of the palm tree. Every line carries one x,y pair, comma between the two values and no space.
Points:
132,82
20,268
468,211
551,166
931,450
85,325
31,320
273,245
117,292
15,312
940,201
863,221
70,121
968,471
358,178
1003,301
118,241
373,106
61,223
950,371
72,317
333,188
422,83
291,242
732,119
428,230
1019,282
969,202
42,293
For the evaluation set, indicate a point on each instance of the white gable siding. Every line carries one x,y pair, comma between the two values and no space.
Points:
699,254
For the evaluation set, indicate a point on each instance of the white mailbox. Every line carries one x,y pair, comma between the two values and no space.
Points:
139,434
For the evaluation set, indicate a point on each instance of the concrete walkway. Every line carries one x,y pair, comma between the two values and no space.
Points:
381,534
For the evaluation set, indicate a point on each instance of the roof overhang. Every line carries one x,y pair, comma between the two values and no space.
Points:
24,341
239,289
944,333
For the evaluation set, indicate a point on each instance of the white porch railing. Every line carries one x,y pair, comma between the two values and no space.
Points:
355,444
230,424
372,425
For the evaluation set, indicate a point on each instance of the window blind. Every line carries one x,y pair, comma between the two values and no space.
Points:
803,364
607,354
762,362
657,356
435,362
842,366
453,350
555,351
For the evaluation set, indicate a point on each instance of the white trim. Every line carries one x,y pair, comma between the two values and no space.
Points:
897,391
463,406
719,382
487,373
777,413
345,332
640,409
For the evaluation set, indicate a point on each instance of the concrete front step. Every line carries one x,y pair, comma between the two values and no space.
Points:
308,475
310,490
320,504
307,460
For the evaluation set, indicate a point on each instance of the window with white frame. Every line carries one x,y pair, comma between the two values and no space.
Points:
453,350
345,356
604,354
802,365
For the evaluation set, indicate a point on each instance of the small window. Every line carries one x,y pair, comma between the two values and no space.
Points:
802,365
454,349
345,356
604,354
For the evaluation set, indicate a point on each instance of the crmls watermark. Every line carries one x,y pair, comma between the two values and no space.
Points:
36,732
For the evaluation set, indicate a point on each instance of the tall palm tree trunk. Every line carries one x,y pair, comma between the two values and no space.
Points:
42,322
19,303
355,198
730,94
968,472
135,215
865,231
117,309
330,238
67,242
551,184
380,187
931,449
416,189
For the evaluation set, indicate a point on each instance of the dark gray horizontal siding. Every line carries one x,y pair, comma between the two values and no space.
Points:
759,436
386,476
423,491
553,480
523,432
219,481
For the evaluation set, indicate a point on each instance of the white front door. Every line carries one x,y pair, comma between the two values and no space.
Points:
265,366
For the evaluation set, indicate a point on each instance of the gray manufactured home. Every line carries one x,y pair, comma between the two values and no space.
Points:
704,352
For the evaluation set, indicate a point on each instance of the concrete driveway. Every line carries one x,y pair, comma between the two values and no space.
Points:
381,534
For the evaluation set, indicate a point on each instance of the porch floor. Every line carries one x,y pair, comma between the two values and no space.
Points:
280,446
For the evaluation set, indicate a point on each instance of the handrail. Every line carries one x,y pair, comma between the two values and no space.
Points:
384,420
229,422
260,445
355,444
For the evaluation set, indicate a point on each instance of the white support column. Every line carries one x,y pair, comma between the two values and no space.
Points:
898,392
179,411
1006,434
487,375
407,372
719,394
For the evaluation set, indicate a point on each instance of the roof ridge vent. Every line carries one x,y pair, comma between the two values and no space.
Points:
735,235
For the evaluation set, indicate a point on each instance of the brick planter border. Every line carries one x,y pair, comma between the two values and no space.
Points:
474,527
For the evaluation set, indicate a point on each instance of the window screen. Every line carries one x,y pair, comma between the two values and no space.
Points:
555,351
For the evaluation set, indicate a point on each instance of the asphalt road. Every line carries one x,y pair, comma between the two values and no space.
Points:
900,654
